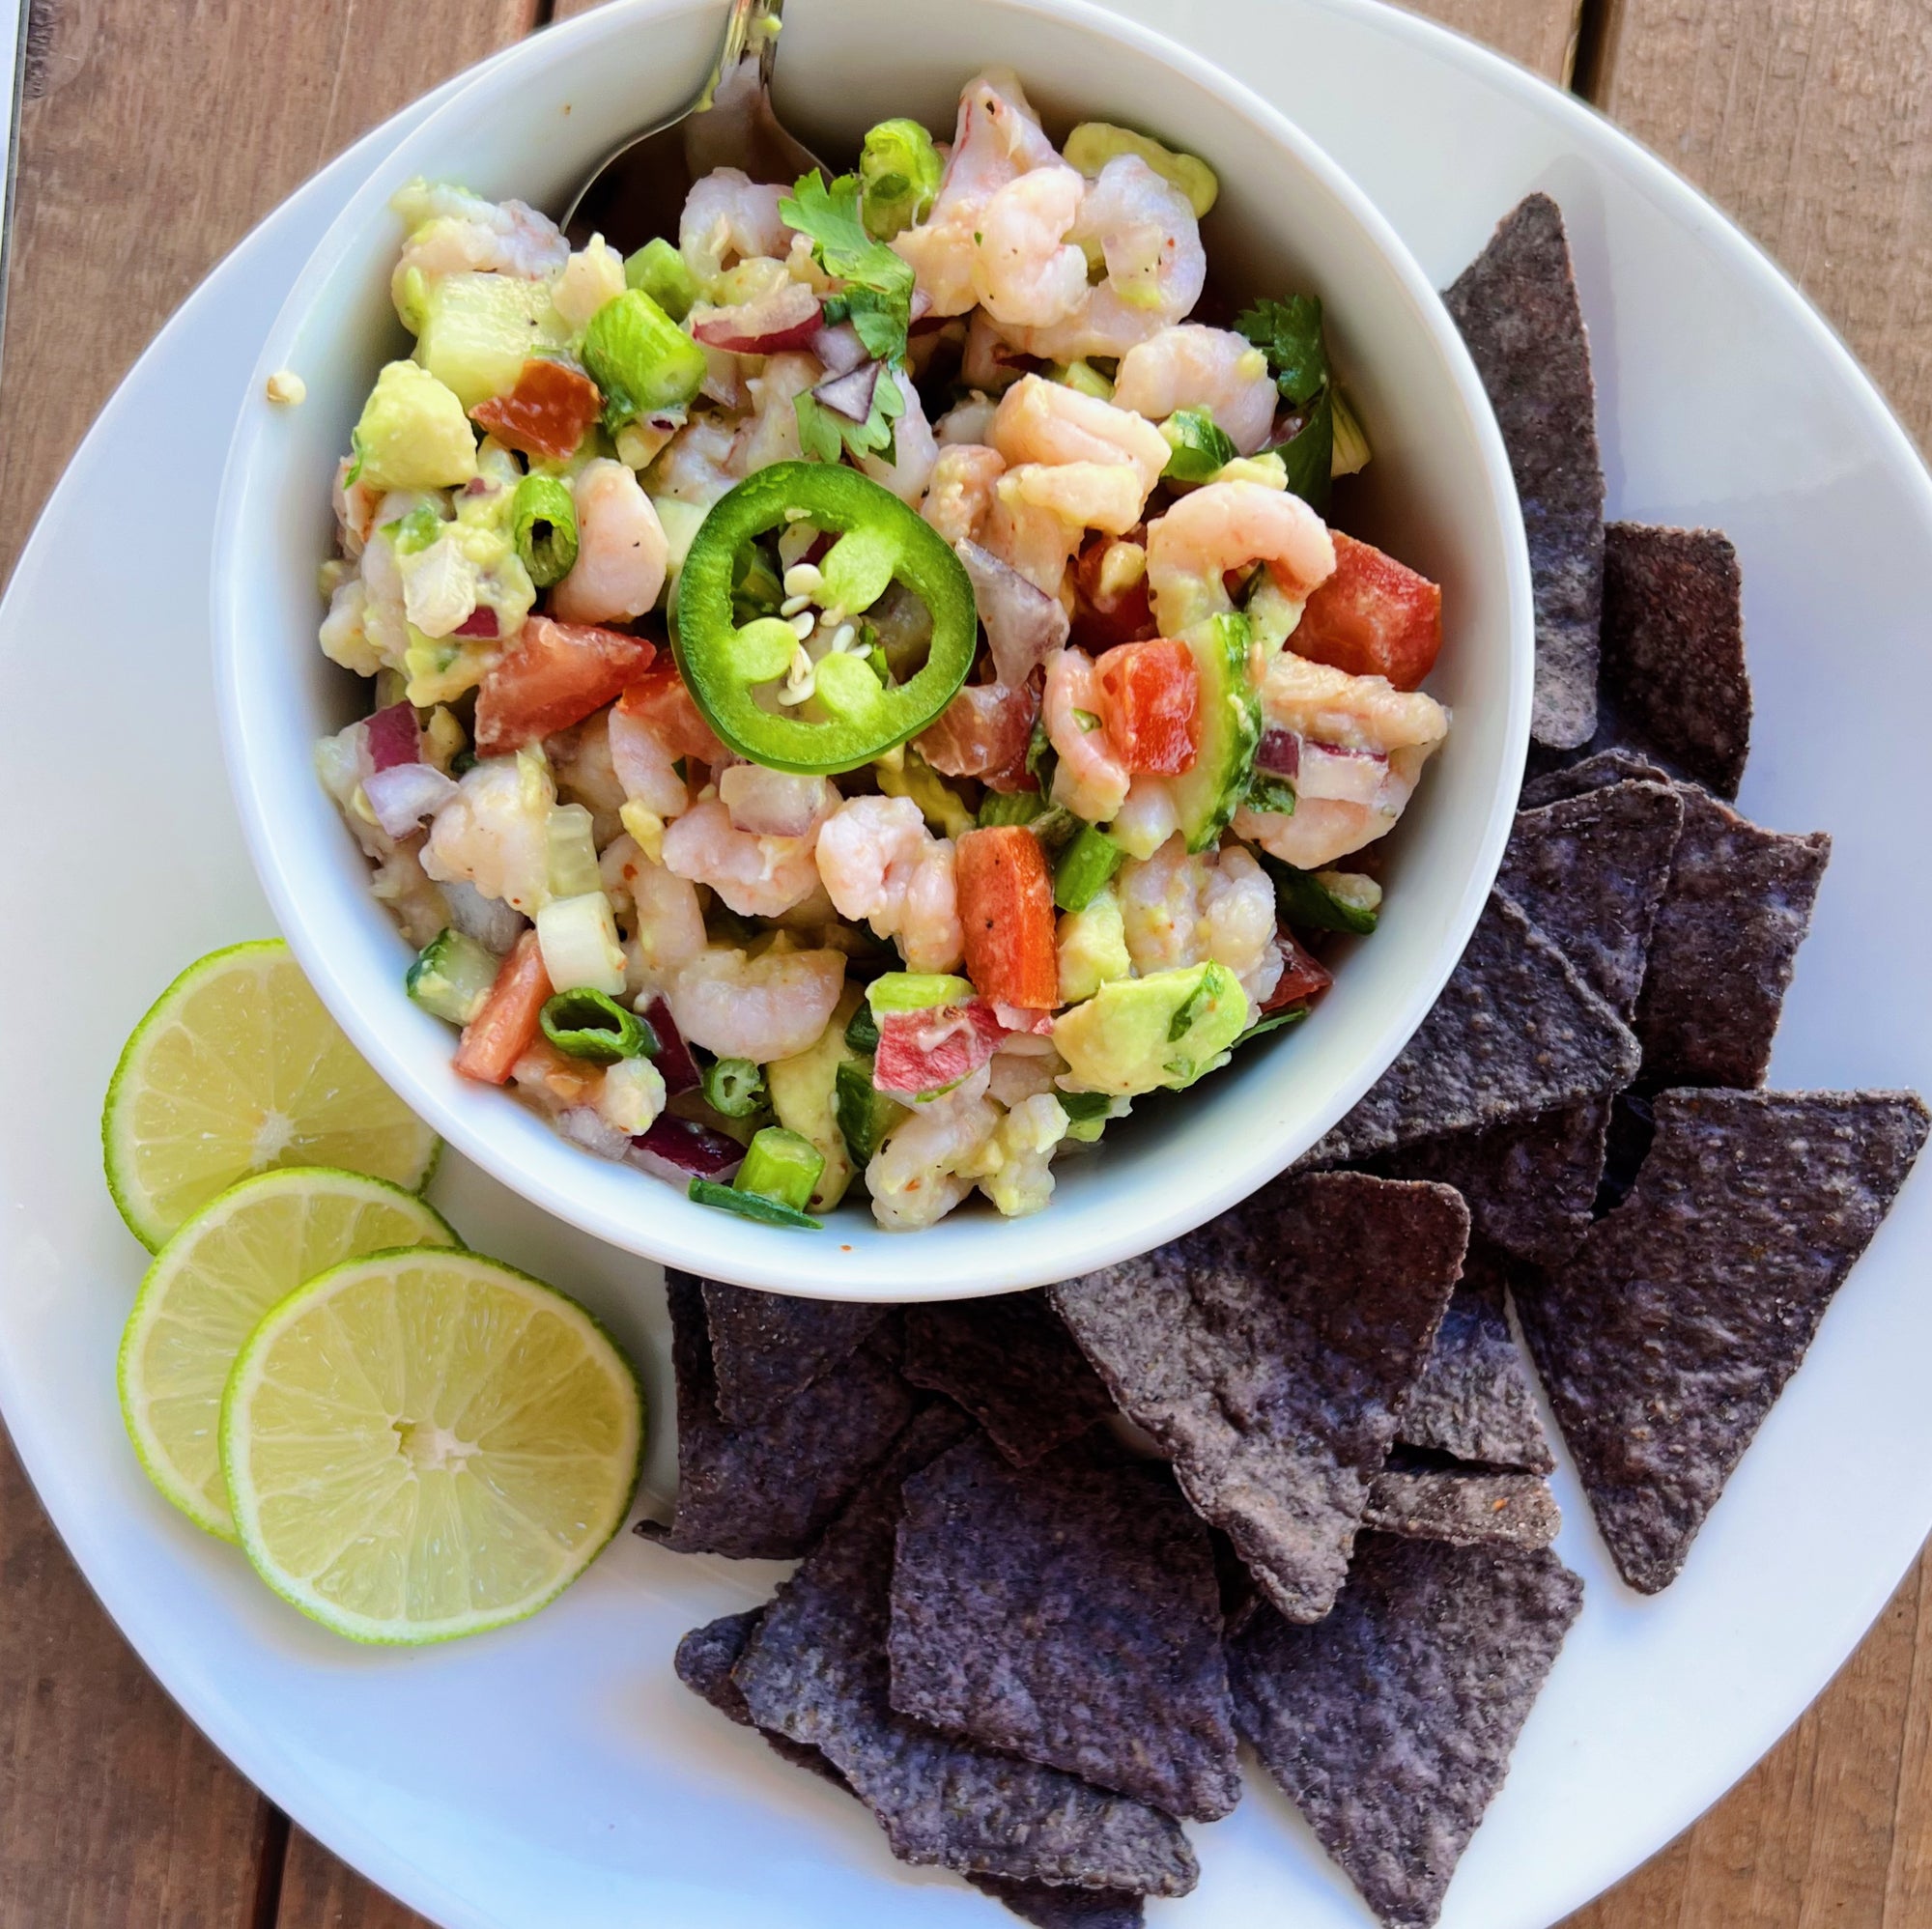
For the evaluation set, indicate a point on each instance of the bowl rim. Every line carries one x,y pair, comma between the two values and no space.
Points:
665,1227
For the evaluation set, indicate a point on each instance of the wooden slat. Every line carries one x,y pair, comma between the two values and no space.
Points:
320,1892
113,1810
1811,121
166,133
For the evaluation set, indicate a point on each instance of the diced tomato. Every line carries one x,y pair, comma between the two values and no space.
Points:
923,1052
1302,978
567,1080
659,700
983,731
1372,617
547,414
1151,705
1101,620
1005,909
554,676
502,1031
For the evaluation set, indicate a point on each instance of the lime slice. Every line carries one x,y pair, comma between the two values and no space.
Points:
205,1292
238,1069
425,1444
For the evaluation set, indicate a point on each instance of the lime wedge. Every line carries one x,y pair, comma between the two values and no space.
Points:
205,1292
238,1069
425,1444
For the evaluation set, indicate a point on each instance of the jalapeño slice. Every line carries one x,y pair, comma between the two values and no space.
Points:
850,717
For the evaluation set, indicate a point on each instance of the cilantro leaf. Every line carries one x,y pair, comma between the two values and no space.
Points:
825,434
1290,334
1199,444
876,295
1309,454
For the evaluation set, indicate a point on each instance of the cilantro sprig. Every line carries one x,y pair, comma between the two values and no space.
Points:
875,292
824,433
1290,334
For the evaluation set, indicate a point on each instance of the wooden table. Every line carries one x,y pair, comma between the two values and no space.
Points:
155,135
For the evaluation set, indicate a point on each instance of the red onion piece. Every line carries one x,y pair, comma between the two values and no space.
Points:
681,1148
480,622
921,302
1280,753
839,348
923,1052
393,737
850,395
1303,975
774,802
1024,624
403,794
788,318
675,1066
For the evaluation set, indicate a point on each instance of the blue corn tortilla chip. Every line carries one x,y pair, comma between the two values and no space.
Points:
705,1659
1665,1341
1069,1613
1267,1354
1515,1032
1473,1400
816,1670
1673,684
1738,907
764,1491
1589,772
1516,308
1470,1507
1391,1723
1011,1363
765,1347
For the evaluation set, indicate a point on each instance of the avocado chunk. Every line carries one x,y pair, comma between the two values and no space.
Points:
1092,947
1092,144
1140,1034
804,1094
477,330
414,434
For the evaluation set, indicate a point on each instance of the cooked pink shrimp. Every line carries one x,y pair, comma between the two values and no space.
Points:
1179,909
1048,422
1156,266
454,232
757,877
913,1178
644,766
760,1008
586,774
592,277
998,138
961,488
666,919
1104,496
880,862
695,467
728,216
770,434
1229,526
494,833
1024,272
621,550
1089,779
914,450
1363,747
1192,367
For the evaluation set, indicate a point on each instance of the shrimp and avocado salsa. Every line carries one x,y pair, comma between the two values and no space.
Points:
867,691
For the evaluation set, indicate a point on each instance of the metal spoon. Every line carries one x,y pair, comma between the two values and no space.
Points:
637,190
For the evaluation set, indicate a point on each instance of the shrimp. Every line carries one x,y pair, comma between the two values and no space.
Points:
695,467
586,774
1023,272
355,505
668,920
880,862
967,421
1089,779
592,277
1363,747
495,832
1031,539
728,216
1013,1166
1150,815
989,363
1156,267
1192,367
997,138
454,232
1229,526
621,551
757,876
959,492
914,450
1017,1076
913,1178
760,1008
1042,421
1179,910
644,765
771,433
1103,495
344,635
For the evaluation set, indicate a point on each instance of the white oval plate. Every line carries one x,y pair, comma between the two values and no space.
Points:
555,1776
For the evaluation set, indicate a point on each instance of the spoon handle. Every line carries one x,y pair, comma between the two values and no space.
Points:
752,28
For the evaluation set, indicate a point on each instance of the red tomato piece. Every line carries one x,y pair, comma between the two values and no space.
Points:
982,731
554,676
1005,909
1151,705
923,1052
1372,617
547,414
1305,976
660,701
505,1029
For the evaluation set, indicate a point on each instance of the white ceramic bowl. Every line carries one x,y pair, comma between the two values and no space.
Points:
1438,492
